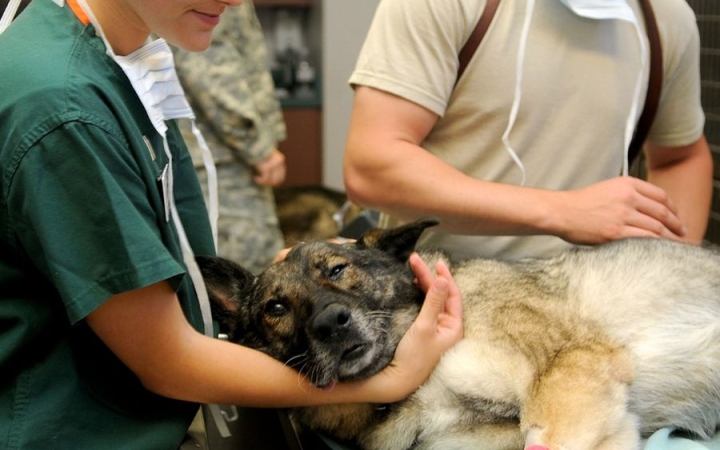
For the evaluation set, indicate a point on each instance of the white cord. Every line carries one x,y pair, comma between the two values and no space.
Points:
634,110
518,88
212,185
9,14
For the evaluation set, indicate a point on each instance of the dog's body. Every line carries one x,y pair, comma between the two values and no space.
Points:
587,350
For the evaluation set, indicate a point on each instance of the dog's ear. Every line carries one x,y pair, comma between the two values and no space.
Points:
224,281
399,242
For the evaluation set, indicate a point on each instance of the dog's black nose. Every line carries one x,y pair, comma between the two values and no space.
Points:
333,321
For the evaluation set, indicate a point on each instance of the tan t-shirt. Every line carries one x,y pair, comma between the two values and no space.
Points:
578,81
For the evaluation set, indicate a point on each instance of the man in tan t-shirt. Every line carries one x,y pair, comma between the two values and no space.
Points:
522,157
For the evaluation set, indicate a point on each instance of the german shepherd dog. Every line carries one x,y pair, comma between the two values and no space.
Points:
589,350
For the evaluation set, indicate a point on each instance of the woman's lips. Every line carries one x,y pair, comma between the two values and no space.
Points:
210,19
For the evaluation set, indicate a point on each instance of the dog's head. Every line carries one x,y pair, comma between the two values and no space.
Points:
332,311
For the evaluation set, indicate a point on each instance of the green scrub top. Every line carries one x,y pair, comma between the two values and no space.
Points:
82,217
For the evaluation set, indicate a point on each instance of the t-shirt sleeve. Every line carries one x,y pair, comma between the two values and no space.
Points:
411,49
86,217
680,118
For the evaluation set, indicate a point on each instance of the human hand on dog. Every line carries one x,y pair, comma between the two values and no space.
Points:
437,328
617,208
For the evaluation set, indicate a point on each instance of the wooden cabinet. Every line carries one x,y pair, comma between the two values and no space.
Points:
707,14
302,108
302,148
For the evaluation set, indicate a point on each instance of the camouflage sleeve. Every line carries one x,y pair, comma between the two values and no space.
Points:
231,89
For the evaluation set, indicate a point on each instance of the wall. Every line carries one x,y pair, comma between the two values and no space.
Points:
708,17
344,25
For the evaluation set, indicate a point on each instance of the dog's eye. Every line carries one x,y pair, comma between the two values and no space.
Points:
276,308
334,272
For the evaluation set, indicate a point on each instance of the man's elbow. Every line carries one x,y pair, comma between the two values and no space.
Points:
359,188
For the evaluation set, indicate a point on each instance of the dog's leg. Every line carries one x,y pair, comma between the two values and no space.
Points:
495,436
398,431
580,401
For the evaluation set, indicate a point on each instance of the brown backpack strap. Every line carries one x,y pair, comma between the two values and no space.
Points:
477,35
652,99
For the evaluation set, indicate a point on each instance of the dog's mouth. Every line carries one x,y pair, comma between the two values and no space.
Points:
357,360
354,352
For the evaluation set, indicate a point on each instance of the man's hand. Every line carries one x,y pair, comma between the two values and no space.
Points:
617,208
271,171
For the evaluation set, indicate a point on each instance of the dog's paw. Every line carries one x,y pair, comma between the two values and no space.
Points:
535,439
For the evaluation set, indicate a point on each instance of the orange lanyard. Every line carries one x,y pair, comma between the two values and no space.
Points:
78,12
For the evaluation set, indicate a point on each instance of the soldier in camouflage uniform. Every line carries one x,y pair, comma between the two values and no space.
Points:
231,91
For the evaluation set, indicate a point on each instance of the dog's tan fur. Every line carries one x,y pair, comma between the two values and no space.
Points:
589,350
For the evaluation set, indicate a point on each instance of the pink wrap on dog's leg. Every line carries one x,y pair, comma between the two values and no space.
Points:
533,436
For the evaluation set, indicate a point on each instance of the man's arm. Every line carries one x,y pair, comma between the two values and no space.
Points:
386,169
686,174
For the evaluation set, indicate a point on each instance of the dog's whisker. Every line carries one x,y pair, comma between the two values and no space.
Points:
301,375
312,375
297,360
315,374
379,314
379,327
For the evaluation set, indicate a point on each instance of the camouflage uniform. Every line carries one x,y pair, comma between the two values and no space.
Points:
231,91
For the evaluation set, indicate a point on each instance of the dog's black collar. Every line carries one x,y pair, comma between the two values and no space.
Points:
383,409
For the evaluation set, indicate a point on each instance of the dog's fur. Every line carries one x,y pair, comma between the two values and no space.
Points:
587,350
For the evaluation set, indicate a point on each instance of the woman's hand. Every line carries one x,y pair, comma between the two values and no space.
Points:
437,328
